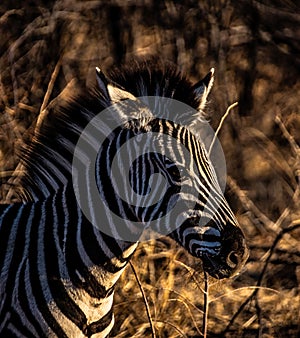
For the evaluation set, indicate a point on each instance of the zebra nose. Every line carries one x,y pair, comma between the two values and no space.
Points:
237,257
233,260
235,250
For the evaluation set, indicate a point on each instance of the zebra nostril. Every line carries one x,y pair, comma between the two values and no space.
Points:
232,260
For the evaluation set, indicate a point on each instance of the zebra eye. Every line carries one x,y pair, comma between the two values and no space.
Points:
168,161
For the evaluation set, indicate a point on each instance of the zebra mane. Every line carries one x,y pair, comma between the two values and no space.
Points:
152,77
47,160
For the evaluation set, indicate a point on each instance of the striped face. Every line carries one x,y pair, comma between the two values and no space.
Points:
184,199
152,171
211,232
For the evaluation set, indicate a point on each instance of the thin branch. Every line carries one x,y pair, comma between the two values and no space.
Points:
192,273
49,90
274,156
292,143
173,326
206,305
145,300
242,289
189,311
248,203
184,299
220,126
9,173
287,135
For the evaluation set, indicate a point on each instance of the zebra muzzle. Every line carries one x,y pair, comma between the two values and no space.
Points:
232,256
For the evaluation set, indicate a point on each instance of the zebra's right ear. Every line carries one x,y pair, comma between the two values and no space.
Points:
112,92
203,88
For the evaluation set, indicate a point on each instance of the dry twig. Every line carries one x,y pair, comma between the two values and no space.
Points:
145,300
206,305
220,126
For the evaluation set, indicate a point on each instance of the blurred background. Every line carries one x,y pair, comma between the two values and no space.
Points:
50,47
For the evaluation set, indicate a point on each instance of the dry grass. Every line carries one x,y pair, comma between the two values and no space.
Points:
255,49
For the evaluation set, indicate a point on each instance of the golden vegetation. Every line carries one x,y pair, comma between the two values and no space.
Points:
45,47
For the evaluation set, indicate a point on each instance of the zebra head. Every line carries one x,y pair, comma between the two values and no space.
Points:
152,168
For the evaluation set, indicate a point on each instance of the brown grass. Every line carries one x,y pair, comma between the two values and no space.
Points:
254,46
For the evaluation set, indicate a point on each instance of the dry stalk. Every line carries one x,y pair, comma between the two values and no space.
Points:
248,204
220,126
206,301
278,161
294,146
188,309
242,289
287,135
182,334
206,305
187,302
43,112
9,173
145,300
49,89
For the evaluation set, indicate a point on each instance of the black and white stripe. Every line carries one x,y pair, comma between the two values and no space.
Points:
57,270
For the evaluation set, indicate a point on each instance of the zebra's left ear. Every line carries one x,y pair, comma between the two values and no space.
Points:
102,83
203,88
111,91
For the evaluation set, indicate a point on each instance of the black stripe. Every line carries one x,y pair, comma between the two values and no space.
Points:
100,325
75,264
24,303
5,229
34,253
17,255
96,253
18,324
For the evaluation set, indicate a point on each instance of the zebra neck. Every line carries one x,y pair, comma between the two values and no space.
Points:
76,266
92,264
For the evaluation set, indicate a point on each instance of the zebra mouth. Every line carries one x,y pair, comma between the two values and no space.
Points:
223,251
217,269
232,257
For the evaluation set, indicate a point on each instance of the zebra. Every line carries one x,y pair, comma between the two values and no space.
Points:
58,270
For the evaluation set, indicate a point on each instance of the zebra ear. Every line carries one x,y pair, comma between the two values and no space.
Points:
203,88
102,83
112,92
117,94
